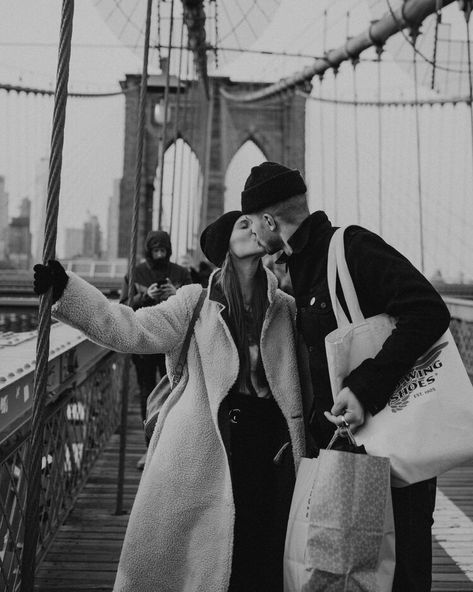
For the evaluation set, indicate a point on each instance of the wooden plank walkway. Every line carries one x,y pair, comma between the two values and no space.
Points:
84,555
85,552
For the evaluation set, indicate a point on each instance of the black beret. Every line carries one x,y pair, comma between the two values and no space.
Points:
215,238
268,184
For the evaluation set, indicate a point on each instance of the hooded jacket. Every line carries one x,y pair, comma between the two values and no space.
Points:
180,532
151,271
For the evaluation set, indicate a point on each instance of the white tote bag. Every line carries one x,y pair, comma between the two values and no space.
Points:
426,427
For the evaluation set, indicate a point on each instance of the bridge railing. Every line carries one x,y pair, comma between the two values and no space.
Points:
82,414
462,329
81,417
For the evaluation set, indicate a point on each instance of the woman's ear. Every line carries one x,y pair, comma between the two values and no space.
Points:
270,222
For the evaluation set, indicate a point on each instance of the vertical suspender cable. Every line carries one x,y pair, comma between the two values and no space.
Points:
379,51
414,34
132,255
184,117
176,132
467,13
322,140
335,145
35,447
166,106
355,62
322,145
207,147
438,9
195,191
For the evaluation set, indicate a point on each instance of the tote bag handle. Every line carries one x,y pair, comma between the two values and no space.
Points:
337,265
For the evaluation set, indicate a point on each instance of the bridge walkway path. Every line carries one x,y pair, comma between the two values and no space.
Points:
84,555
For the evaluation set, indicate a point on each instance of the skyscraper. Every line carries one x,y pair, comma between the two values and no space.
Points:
19,237
3,220
112,221
92,246
74,242
38,213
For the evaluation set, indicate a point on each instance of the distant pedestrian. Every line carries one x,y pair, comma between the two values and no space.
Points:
156,278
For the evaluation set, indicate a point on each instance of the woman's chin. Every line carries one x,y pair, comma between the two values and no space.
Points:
259,251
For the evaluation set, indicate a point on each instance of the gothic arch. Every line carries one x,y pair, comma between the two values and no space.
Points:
248,154
181,196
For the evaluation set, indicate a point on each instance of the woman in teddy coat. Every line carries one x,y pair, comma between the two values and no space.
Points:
211,511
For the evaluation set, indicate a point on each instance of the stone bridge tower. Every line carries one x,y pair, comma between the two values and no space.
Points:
215,129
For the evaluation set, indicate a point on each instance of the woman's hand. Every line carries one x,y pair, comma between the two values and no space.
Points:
51,275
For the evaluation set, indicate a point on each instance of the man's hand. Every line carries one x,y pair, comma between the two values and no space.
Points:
348,408
166,290
153,292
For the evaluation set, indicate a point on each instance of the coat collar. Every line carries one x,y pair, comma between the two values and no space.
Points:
309,230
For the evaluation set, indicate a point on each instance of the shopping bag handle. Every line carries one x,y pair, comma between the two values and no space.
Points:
342,432
337,264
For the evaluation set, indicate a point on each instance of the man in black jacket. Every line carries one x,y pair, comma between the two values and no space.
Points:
274,198
156,279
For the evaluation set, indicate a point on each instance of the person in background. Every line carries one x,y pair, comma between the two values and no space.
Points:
156,279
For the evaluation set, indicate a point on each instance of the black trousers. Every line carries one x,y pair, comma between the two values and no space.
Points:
262,492
413,508
146,368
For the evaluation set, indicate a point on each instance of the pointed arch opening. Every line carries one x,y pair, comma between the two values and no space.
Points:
181,199
247,156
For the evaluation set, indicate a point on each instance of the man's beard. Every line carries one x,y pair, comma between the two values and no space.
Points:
159,263
272,246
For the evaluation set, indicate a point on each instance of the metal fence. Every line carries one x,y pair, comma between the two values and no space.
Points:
461,327
79,423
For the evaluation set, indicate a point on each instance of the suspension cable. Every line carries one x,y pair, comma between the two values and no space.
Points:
35,448
357,143
335,146
166,106
379,51
467,7
322,147
132,256
438,20
176,131
414,34
388,103
186,127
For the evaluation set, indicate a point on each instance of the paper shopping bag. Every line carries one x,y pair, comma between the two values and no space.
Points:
340,535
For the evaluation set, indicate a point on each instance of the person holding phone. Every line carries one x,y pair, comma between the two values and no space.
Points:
156,279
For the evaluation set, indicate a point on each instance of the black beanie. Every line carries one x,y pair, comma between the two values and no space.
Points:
268,184
215,238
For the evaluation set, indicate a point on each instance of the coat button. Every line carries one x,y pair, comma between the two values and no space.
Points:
234,414
312,301
323,305
311,348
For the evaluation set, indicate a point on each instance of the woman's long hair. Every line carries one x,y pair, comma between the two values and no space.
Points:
228,280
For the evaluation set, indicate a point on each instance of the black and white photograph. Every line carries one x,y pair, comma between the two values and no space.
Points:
236,296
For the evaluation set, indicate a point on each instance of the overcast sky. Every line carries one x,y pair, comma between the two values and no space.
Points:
93,153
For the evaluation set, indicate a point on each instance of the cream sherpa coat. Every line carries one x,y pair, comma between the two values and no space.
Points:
180,532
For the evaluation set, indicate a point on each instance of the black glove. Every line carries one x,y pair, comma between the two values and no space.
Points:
53,274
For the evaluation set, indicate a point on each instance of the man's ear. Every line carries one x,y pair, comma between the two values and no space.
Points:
270,222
